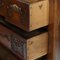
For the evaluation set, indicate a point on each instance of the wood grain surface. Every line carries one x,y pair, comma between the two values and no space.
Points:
54,23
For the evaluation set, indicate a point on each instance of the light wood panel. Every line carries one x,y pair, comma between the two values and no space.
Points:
37,46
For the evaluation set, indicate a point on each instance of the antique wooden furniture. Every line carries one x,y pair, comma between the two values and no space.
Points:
11,10
26,48
28,15
23,30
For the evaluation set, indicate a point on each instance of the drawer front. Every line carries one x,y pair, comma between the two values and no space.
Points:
12,41
37,46
18,13
28,49
29,16
39,14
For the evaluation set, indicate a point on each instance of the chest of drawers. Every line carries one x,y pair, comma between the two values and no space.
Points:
26,48
27,15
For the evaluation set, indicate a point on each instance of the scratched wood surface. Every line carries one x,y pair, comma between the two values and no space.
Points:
5,54
31,16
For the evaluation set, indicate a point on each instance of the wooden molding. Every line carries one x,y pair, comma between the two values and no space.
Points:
53,51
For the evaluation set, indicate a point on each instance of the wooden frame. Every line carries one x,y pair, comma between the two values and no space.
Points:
53,51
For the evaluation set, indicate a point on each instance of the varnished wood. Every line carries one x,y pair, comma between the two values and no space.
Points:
54,23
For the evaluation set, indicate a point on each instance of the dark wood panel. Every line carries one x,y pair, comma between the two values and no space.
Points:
6,38
18,14
5,54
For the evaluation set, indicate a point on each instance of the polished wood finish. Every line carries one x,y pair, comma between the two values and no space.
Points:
54,23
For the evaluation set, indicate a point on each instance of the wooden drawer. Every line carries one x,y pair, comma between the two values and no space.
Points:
28,49
37,46
7,38
29,16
